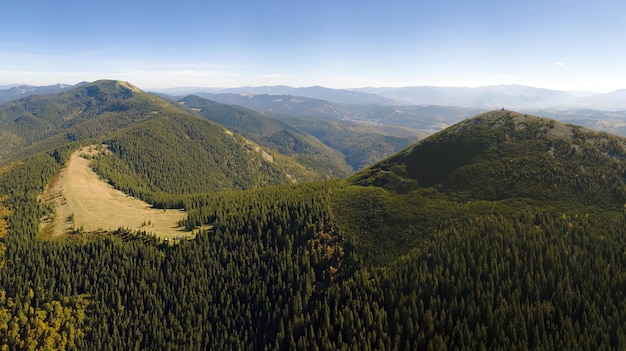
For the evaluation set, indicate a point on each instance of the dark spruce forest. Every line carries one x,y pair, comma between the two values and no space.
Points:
505,231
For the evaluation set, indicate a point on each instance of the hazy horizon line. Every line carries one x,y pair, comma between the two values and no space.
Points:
6,86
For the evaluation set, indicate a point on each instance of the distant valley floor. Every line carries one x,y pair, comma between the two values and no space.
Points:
84,202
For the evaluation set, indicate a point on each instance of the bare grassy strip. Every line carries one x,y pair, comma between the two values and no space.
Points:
84,202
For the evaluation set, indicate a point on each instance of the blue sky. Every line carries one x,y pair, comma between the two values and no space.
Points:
567,45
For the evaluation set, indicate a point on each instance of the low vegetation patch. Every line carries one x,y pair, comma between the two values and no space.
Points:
78,201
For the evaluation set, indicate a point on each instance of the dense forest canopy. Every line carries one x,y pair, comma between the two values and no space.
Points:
503,232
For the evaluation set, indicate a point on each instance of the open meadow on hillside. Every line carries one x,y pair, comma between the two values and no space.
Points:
82,201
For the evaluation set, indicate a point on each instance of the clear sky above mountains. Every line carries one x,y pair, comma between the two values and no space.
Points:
562,45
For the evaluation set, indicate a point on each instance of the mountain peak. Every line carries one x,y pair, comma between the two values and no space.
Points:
107,85
504,154
127,85
85,111
517,122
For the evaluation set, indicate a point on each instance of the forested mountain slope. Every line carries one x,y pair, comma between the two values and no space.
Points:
499,161
503,154
182,154
149,136
87,111
423,117
362,144
315,140
271,133
512,238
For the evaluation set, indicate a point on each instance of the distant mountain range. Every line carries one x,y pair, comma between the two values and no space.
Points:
486,97
327,140
425,118
15,91
425,108
341,96
498,96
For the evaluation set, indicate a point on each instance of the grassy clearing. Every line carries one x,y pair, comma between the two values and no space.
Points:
81,201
